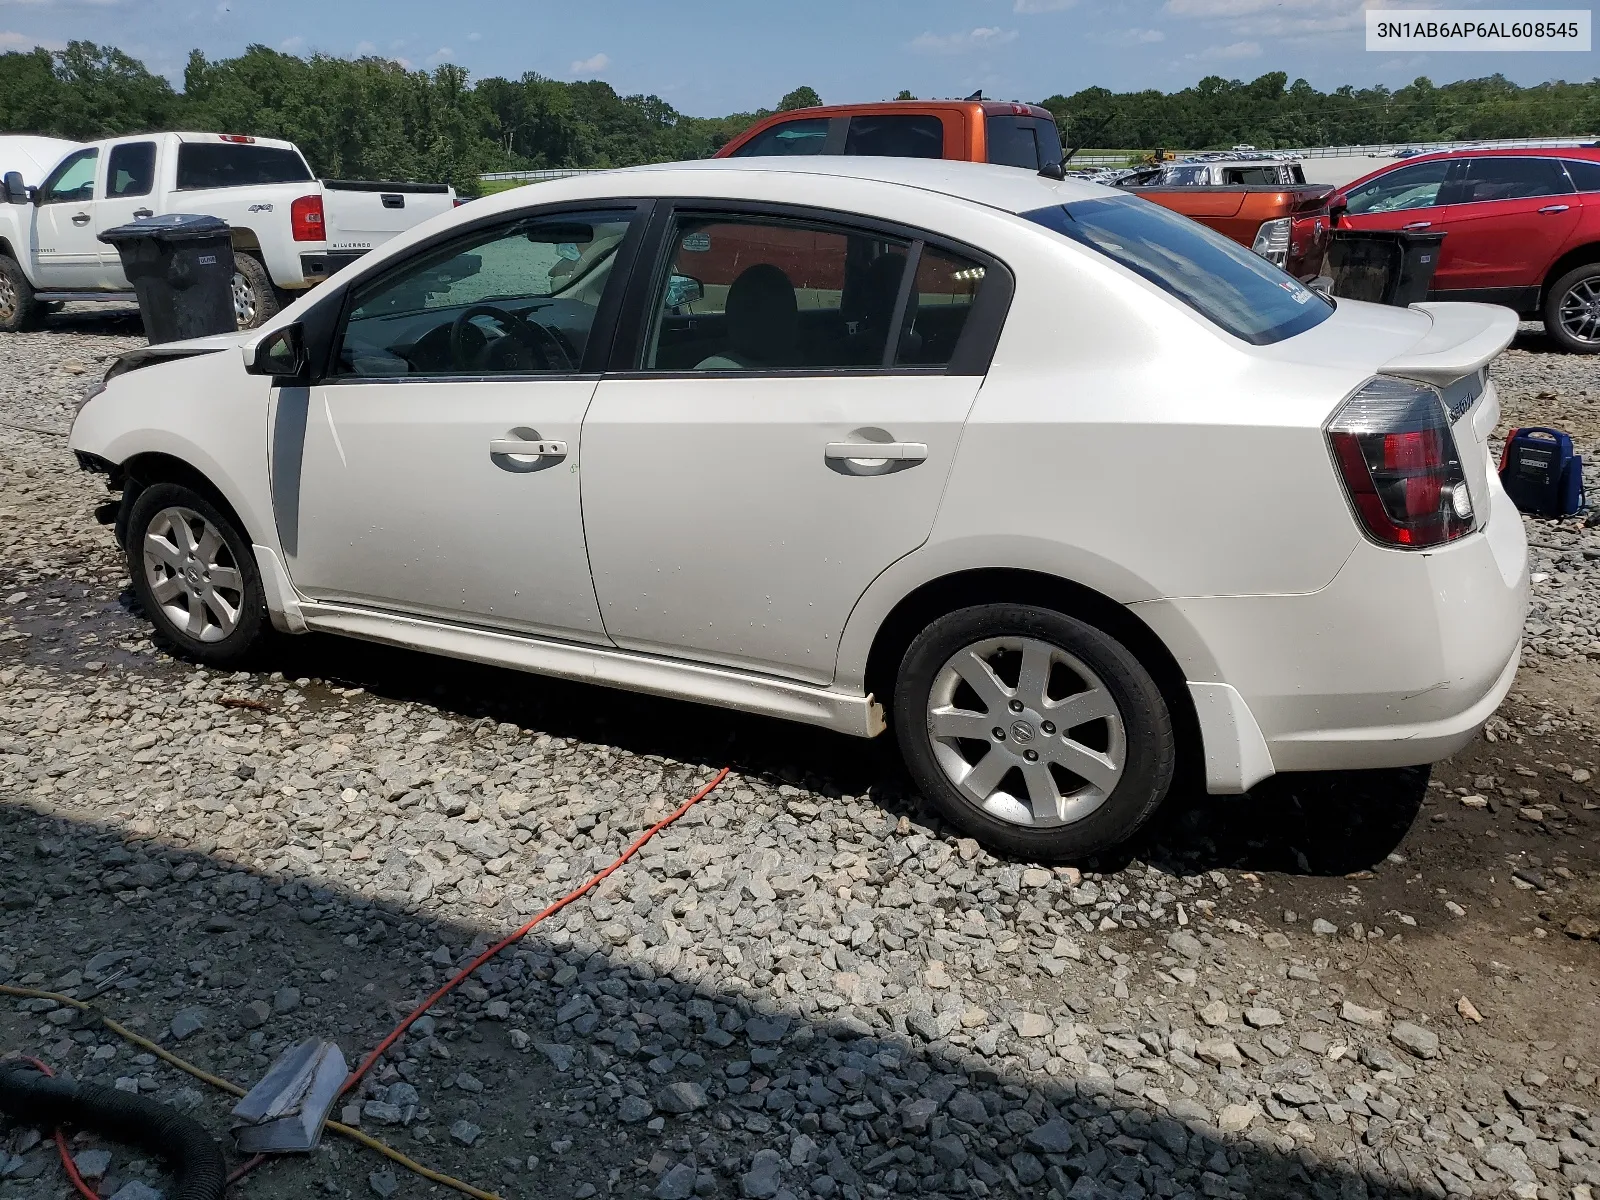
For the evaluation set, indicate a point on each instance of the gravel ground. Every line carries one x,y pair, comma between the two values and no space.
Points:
1336,987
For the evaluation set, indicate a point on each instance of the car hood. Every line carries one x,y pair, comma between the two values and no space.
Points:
149,356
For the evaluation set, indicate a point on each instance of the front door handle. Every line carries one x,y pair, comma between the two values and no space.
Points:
871,451
528,449
1553,208
140,214
1417,225
80,219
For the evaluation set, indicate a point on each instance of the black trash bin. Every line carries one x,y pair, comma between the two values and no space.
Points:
1385,266
181,267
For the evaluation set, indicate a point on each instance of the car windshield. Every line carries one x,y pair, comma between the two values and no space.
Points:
1221,280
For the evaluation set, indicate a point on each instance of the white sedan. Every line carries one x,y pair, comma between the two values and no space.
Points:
1074,495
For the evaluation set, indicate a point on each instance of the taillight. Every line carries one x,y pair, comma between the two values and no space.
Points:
1397,456
1272,241
305,218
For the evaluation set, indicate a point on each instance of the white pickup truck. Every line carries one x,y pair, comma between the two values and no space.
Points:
290,230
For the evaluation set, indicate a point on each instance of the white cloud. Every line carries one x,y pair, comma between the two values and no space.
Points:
474,37
1042,6
1134,37
22,41
1233,50
290,45
981,38
442,54
365,48
588,66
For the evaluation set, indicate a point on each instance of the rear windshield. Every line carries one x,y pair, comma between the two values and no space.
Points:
1221,280
226,164
1030,142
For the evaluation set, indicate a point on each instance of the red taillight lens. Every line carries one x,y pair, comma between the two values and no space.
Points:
1397,456
305,218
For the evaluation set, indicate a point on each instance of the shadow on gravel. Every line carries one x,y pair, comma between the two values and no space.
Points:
115,320
612,1075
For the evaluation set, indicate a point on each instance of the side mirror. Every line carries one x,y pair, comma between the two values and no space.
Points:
280,354
15,189
684,289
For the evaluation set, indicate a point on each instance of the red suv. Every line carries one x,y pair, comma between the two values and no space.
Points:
1522,229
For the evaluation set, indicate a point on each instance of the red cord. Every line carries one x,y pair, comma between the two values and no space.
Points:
518,935
61,1144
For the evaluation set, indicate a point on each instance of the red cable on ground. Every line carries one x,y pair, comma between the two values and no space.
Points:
67,1164
519,934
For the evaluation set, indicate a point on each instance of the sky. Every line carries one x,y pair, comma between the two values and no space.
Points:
711,57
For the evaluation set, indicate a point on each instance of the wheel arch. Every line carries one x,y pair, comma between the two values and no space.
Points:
140,471
1577,257
995,585
245,239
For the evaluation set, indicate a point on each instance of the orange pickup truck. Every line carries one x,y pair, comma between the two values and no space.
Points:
1286,224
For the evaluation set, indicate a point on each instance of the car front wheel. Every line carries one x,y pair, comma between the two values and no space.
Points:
1036,733
1572,310
195,576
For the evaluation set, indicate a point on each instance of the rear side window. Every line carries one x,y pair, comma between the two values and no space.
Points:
1030,142
942,295
1585,174
226,164
804,136
1513,179
896,136
1252,176
131,170
1239,291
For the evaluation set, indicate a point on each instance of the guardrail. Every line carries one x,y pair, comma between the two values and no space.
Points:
538,176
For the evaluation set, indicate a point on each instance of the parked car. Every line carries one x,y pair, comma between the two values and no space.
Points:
866,444
1522,229
1287,224
290,231
1228,172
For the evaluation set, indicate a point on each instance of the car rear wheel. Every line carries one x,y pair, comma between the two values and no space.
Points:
1572,310
195,576
254,297
18,308
1039,735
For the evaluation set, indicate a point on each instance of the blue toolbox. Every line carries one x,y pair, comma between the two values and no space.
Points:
1540,472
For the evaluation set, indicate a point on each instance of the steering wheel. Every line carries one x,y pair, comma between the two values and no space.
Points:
551,353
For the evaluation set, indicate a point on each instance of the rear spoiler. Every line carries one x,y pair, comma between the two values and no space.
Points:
377,185
1463,339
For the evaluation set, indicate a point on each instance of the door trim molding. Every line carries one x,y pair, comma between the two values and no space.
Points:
858,716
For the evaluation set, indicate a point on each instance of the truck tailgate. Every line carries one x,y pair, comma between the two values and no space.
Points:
362,215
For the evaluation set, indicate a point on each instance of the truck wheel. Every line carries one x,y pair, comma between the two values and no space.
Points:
194,576
1572,310
1039,735
18,308
254,297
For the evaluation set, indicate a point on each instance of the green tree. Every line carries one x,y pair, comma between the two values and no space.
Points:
801,97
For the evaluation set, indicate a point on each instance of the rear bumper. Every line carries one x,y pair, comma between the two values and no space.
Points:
319,266
1398,662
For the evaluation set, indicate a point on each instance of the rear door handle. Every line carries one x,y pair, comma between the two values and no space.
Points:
528,449
893,451
1417,225
140,214
1553,208
80,219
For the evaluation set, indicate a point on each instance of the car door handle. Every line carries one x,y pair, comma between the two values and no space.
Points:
1553,208
528,449
140,214
81,219
1417,225
892,451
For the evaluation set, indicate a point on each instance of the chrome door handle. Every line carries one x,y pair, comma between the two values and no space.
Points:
1417,225
528,449
869,451
140,214
1553,208
81,219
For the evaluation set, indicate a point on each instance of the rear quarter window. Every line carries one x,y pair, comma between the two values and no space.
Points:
1236,290
228,164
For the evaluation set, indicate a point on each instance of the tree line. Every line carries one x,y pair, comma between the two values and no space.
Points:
375,118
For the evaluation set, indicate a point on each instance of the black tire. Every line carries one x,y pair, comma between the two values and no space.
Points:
214,644
19,310
1584,280
260,299
1144,739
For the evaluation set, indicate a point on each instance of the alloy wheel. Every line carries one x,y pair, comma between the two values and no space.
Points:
1026,732
244,301
192,574
8,299
1579,312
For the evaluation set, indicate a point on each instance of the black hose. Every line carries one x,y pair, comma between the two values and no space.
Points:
195,1157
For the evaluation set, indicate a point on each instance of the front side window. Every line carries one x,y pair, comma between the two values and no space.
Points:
803,136
1416,186
1228,285
1501,178
236,164
131,169
895,135
1030,142
73,179
517,299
